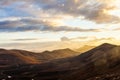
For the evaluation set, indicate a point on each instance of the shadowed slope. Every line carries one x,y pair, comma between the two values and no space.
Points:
8,58
101,60
57,54
49,55
15,57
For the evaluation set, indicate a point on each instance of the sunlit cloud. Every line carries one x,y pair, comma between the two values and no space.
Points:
94,10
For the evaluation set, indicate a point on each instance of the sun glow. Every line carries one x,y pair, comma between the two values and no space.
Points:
76,1
116,10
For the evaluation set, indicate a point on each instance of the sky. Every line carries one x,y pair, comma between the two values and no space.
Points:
39,25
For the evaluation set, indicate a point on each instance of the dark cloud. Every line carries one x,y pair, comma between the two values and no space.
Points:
36,25
28,39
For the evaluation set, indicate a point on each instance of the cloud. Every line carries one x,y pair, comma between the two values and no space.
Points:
93,10
81,38
29,39
89,39
104,39
32,24
116,29
99,41
65,39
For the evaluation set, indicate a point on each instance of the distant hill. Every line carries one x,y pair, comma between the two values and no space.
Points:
49,55
84,48
57,54
9,57
15,57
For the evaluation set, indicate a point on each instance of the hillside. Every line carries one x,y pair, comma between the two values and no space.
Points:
16,57
101,60
57,54
49,55
8,58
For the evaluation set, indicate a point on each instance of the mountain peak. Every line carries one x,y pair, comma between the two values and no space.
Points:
102,47
107,44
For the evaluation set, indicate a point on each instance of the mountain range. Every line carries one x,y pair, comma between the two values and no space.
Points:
99,63
20,57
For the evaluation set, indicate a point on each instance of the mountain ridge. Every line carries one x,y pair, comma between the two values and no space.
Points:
27,57
97,61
